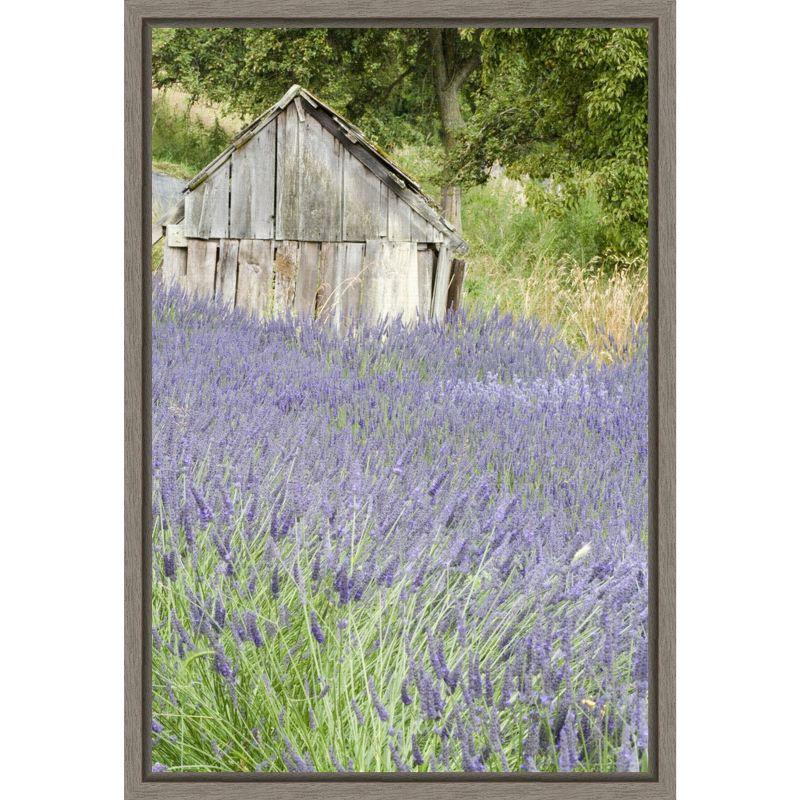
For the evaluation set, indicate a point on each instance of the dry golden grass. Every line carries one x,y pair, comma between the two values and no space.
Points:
591,310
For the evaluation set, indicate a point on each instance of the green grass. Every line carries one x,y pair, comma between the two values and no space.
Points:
180,145
181,171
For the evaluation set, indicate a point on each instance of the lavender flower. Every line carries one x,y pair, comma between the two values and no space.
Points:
380,709
477,480
169,564
357,711
223,666
251,625
316,630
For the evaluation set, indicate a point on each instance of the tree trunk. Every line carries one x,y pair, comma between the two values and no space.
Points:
449,76
451,205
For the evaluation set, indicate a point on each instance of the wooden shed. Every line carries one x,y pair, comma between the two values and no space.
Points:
302,214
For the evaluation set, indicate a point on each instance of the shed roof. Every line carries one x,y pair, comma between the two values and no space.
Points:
353,138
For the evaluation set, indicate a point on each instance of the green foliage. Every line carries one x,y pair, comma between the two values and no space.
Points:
570,106
377,77
182,142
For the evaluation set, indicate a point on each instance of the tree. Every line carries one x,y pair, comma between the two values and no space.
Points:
568,105
453,59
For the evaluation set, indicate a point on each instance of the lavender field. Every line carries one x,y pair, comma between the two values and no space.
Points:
418,549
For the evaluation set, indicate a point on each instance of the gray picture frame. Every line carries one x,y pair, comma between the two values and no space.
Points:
659,17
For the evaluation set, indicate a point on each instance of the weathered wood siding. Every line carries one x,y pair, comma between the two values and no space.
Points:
308,279
296,181
252,207
335,282
201,267
341,275
227,268
425,264
309,180
441,284
363,193
254,285
302,219
173,267
206,215
390,286
287,256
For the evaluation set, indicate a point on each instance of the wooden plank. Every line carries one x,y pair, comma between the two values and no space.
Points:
339,294
176,236
201,267
173,268
253,187
440,285
287,175
352,278
391,281
433,234
421,229
373,285
387,196
331,269
425,262
362,202
407,266
286,260
308,279
254,279
227,267
399,219
319,184
193,205
457,272
207,206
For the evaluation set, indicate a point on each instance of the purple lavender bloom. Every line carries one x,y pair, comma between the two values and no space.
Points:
251,625
223,666
169,564
180,630
275,586
568,744
398,762
380,709
404,695
357,711
488,688
316,630
219,613
337,765
159,767
206,514
456,470
156,726
627,758
416,753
